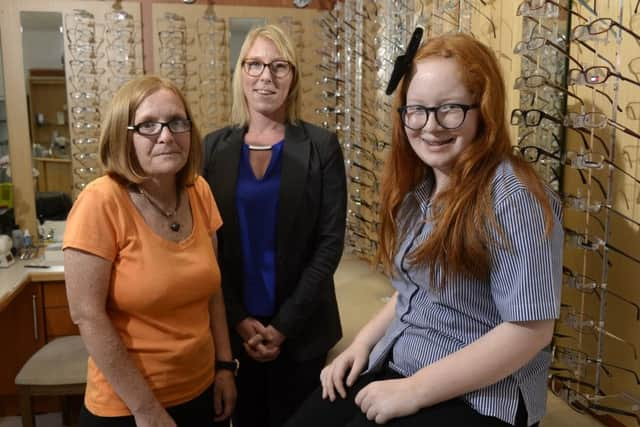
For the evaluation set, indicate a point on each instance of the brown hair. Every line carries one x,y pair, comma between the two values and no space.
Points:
239,108
458,243
117,153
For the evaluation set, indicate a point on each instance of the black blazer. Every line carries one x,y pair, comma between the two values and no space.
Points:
310,233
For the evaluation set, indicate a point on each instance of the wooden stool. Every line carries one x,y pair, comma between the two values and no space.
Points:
57,369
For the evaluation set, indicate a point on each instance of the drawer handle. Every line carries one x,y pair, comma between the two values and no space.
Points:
34,307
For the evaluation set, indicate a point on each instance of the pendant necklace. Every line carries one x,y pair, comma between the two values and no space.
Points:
175,225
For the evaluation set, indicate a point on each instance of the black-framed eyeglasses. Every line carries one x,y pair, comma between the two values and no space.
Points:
535,154
278,68
599,26
556,378
155,128
448,116
531,117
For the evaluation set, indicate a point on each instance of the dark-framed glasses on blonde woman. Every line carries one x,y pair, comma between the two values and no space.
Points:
278,68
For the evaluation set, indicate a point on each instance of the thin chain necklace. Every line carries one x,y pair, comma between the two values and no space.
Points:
175,225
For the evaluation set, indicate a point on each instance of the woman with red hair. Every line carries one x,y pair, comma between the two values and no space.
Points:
473,242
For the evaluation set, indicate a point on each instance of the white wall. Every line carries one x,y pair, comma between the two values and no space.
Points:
42,49
1,76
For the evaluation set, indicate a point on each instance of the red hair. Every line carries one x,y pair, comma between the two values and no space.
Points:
463,213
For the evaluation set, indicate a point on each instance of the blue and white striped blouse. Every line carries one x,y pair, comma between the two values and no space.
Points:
524,285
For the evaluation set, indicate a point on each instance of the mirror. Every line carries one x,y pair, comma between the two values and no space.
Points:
6,190
43,51
238,30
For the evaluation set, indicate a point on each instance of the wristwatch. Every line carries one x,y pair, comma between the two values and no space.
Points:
230,365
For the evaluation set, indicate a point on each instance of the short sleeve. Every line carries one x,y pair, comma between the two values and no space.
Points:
526,270
208,203
92,223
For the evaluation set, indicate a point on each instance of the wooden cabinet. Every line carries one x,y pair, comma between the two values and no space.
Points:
55,174
38,314
56,311
22,333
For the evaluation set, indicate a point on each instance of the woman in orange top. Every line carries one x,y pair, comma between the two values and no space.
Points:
141,271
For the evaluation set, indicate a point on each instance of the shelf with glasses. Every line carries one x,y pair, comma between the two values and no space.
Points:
49,121
52,159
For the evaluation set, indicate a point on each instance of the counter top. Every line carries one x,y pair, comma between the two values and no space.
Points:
16,277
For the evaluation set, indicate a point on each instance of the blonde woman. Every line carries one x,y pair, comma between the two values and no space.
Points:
280,184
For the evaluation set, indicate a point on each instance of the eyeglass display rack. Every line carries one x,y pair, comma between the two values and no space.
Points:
193,52
595,168
542,95
103,49
361,40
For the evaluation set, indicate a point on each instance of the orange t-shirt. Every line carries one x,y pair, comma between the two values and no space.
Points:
159,292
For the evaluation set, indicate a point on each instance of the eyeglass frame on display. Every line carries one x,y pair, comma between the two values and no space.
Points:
589,26
582,240
594,286
547,15
578,359
583,78
590,399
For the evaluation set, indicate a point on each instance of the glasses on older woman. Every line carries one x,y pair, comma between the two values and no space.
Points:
278,68
155,128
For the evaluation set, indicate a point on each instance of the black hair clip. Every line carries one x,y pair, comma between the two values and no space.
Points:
402,63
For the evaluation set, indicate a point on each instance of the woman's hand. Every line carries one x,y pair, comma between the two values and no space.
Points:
224,394
259,341
248,328
382,401
354,359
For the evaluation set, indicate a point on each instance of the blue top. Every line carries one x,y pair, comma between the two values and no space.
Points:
524,284
257,204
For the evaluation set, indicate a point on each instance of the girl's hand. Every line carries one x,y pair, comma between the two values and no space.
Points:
354,359
382,401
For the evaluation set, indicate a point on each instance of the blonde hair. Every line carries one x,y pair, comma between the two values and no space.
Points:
117,153
240,109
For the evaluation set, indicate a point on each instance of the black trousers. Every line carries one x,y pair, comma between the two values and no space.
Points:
269,392
198,412
316,412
